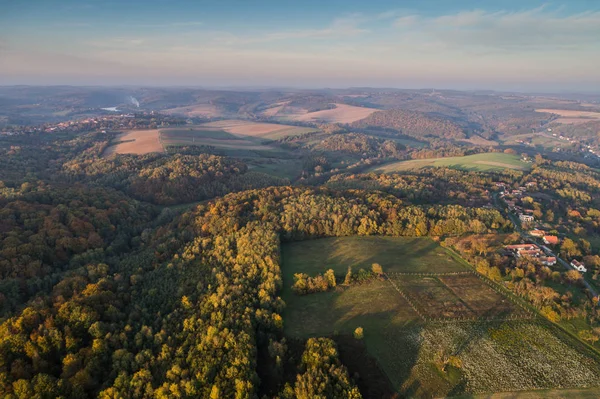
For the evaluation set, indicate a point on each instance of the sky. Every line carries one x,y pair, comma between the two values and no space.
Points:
462,44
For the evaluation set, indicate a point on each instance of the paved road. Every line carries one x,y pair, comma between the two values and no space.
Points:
517,225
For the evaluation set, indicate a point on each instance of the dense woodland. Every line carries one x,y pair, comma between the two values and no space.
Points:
414,124
362,145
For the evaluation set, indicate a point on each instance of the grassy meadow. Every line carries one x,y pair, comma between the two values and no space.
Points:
498,345
479,162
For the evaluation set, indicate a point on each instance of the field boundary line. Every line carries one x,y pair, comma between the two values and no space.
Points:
417,274
410,302
498,287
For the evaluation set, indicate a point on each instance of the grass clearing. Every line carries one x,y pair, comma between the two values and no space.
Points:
395,254
496,356
478,162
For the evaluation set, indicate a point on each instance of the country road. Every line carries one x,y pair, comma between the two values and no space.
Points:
526,236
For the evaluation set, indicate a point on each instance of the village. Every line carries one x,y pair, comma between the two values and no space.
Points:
103,123
541,245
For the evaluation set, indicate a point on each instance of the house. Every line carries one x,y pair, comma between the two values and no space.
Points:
550,240
579,266
548,261
537,233
526,218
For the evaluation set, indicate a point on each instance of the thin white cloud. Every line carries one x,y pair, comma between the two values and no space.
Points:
118,43
528,47
342,27
528,30
166,25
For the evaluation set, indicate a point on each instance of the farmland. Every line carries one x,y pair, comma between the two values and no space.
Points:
342,113
478,162
270,131
136,142
230,134
499,345
218,138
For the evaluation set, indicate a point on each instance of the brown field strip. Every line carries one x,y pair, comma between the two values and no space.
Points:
342,113
136,142
455,296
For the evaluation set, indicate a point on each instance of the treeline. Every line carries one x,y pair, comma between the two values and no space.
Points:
425,186
411,123
305,284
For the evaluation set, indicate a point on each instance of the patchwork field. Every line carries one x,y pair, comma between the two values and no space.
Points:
570,117
136,142
498,346
478,162
460,296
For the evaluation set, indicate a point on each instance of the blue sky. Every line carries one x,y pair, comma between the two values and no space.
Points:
511,45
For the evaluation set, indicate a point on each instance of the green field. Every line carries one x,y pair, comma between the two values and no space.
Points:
478,162
211,137
507,352
192,133
395,254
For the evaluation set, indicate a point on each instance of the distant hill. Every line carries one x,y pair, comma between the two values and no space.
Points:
416,124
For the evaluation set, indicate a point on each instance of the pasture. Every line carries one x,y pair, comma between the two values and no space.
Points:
499,346
488,162
136,142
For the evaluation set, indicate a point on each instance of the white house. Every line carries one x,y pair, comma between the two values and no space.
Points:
578,266
526,218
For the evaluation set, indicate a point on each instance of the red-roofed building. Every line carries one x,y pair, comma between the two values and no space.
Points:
551,240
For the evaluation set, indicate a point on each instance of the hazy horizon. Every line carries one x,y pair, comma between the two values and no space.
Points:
527,46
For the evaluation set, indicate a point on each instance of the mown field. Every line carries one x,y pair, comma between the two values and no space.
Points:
499,346
210,136
478,162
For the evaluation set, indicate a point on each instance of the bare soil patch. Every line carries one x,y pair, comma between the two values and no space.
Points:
136,142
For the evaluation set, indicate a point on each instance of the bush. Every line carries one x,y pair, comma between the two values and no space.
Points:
359,333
